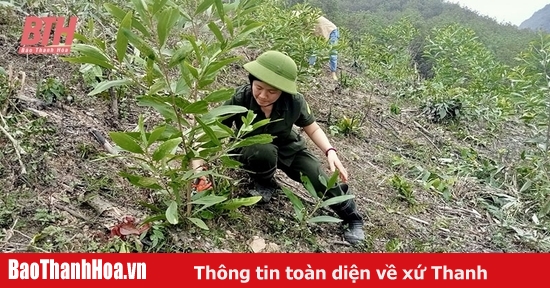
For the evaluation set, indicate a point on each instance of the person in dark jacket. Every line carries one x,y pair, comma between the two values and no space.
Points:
272,93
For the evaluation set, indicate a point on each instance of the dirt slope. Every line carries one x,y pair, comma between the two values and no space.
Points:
69,199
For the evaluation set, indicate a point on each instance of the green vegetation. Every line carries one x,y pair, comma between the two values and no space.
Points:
443,117
504,40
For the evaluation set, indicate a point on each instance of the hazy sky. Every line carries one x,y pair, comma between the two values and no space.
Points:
513,11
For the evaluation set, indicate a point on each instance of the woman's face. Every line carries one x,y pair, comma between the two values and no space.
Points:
265,94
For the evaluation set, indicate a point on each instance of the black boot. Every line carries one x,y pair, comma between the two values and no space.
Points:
265,188
347,211
265,185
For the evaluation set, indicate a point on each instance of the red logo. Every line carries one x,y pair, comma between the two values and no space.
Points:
41,30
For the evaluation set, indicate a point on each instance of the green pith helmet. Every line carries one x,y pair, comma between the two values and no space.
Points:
275,69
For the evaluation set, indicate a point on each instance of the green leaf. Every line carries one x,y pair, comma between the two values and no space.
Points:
231,7
323,180
185,74
121,40
81,38
296,203
326,219
150,206
228,131
252,140
333,179
203,6
142,131
139,181
172,213
229,25
90,51
213,67
250,116
180,87
153,218
262,123
230,163
209,200
218,133
180,102
238,44
88,60
155,135
140,7
223,110
148,182
199,223
233,204
162,107
199,107
250,28
193,41
309,187
160,85
217,32
183,12
205,81
205,214
126,142
336,200
102,86
220,95
119,14
180,54
168,19
139,43
191,69
158,5
166,148
209,132
219,8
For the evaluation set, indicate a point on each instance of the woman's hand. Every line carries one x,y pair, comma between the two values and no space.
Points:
334,163
318,136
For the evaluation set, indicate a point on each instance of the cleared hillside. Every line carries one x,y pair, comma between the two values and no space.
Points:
426,178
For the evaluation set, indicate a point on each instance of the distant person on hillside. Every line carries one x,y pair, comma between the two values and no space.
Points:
328,30
271,93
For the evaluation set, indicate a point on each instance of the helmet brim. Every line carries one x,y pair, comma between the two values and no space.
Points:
271,78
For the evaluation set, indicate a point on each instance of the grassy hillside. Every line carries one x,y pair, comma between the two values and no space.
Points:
450,154
370,16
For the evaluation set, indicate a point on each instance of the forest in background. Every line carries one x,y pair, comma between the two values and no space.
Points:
370,16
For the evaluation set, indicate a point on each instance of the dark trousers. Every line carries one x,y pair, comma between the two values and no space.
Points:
261,160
